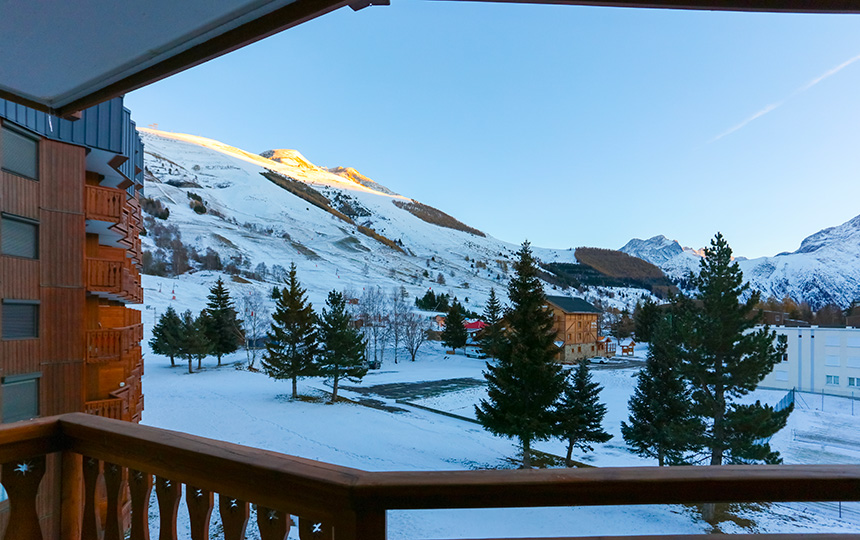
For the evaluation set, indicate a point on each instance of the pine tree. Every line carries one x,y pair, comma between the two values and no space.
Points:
341,345
492,336
166,335
454,335
646,316
222,327
661,424
579,412
525,382
192,342
725,358
292,343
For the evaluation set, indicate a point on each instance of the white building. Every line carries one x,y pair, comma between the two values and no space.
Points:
818,360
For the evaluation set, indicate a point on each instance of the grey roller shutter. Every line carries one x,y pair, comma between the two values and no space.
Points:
19,154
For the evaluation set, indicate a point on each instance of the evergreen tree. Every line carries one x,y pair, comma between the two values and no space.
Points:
166,335
579,412
492,336
292,343
454,335
525,382
222,327
645,318
661,424
192,339
341,354
725,358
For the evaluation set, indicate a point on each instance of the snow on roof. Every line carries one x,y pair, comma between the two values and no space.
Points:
572,305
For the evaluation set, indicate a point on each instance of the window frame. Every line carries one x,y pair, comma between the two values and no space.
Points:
20,219
15,301
8,126
831,380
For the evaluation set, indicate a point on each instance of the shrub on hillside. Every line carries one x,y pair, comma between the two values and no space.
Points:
154,208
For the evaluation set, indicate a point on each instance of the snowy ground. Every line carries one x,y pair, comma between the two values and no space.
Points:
386,434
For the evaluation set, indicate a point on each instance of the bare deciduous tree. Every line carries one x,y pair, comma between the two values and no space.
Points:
255,322
415,327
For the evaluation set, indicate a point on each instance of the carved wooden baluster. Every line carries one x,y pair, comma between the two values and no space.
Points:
200,503
140,485
114,485
168,493
92,526
234,517
314,529
21,480
273,524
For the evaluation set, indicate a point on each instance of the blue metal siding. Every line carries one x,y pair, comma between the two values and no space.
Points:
106,126
100,127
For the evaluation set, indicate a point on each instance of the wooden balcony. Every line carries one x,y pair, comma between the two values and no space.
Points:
111,344
105,204
106,408
332,501
117,278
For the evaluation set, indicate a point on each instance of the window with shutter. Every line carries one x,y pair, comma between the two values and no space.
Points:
20,397
20,319
19,153
19,236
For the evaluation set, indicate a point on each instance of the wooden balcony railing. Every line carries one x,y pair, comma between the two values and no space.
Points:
119,278
332,501
107,408
109,345
104,204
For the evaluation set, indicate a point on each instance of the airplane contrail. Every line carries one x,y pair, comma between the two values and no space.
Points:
800,90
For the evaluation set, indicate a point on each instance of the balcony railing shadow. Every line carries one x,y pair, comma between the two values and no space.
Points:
331,501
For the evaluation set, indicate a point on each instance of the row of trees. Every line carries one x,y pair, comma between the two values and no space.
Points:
304,344
706,353
215,331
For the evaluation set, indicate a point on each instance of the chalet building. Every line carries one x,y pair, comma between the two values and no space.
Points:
69,263
575,327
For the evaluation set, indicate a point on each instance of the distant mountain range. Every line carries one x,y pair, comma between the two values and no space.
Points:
825,269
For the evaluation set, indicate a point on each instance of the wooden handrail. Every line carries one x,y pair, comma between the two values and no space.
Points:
354,502
251,474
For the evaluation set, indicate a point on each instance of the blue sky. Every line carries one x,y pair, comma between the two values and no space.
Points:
568,126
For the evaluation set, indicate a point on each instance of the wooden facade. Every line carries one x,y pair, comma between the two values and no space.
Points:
84,354
575,327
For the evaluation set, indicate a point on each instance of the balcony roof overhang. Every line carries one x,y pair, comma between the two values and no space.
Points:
62,57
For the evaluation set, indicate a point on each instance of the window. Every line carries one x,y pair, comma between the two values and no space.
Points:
19,152
832,360
20,319
785,357
781,375
19,236
20,399
852,381
833,380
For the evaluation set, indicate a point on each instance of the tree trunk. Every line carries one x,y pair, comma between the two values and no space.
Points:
219,360
660,458
527,450
189,365
295,388
172,361
334,390
567,461
199,362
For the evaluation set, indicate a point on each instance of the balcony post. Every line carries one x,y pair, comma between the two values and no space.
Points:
72,496
363,524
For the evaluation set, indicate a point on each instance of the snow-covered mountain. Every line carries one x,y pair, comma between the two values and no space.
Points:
341,229
825,269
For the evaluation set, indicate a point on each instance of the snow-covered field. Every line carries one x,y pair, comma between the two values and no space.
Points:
377,431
